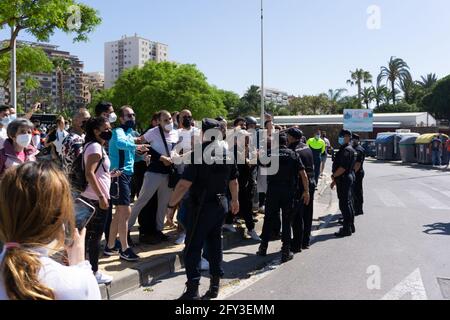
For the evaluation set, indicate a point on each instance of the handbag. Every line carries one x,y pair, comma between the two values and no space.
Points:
174,176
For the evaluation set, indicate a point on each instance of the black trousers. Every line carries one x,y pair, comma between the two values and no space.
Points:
246,203
302,221
204,231
344,185
147,217
358,194
138,178
279,197
94,231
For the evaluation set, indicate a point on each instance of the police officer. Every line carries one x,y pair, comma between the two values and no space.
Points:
282,188
207,180
303,217
344,178
358,198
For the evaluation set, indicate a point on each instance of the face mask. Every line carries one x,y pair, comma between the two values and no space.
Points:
341,141
168,127
23,140
112,118
318,136
187,123
12,117
130,124
106,135
5,121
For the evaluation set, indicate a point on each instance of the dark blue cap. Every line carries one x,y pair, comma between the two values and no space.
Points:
295,133
210,124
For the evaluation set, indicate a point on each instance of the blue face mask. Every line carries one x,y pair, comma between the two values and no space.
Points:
12,117
5,121
341,141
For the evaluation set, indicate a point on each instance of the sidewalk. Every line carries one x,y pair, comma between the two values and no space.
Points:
164,259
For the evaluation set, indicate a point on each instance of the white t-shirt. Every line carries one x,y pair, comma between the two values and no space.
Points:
153,137
60,136
103,176
68,283
3,137
185,138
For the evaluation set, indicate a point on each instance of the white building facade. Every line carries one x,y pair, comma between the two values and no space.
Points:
130,52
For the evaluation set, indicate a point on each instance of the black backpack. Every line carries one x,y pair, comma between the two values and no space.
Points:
77,174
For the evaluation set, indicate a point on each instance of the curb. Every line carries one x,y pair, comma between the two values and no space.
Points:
144,273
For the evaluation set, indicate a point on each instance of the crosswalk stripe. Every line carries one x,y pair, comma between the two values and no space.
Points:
389,198
445,193
428,200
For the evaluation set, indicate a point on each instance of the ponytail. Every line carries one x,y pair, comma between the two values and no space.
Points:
21,276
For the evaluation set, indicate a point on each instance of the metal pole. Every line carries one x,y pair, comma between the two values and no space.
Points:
262,67
13,98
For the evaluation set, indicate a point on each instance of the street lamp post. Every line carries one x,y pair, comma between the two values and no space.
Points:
13,98
262,66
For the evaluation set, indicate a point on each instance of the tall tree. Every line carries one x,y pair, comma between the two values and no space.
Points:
367,96
427,82
408,86
358,78
29,60
29,84
438,101
41,18
334,96
381,94
396,71
63,68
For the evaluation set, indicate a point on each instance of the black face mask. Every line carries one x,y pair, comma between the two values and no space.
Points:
130,124
187,123
106,135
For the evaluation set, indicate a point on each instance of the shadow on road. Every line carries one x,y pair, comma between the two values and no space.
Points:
438,229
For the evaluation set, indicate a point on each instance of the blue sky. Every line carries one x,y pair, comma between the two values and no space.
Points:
310,45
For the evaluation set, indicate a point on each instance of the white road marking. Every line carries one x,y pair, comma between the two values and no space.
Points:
412,284
428,200
445,193
389,198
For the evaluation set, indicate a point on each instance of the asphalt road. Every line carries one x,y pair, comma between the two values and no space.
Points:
400,251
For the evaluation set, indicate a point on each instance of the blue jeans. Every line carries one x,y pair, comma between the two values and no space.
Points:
436,157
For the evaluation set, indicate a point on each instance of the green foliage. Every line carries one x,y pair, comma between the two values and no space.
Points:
310,105
395,73
41,18
169,86
438,101
231,101
399,107
358,78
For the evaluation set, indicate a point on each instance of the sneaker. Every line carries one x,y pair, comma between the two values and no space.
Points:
252,234
129,255
162,236
110,252
204,265
262,209
181,239
103,278
230,228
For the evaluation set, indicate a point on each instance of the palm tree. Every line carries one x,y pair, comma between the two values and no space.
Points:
394,73
358,78
63,67
428,81
407,85
380,94
367,96
334,96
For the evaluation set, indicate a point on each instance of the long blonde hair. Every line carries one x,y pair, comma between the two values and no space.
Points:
35,206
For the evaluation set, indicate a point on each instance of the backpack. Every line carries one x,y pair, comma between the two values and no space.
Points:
77,175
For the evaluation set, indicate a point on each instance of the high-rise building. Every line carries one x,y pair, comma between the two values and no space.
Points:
130,52
93,82
49,92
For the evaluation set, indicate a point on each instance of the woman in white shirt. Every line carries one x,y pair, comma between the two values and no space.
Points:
36,208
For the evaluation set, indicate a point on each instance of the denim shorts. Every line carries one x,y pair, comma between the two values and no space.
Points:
121,190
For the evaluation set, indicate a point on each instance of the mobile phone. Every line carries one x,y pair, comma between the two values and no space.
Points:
83,213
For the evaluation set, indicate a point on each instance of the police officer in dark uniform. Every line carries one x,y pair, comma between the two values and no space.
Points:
207,179
281,191
303,217
344,178
358,198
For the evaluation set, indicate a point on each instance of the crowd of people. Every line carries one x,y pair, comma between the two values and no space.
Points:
147,176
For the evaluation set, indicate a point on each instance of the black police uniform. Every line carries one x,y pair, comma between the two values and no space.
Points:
303,218
358,197
280,195
207,206
345,158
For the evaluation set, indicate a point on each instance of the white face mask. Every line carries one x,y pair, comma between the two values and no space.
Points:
12,117
112,118
168,127
5,121
23,140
